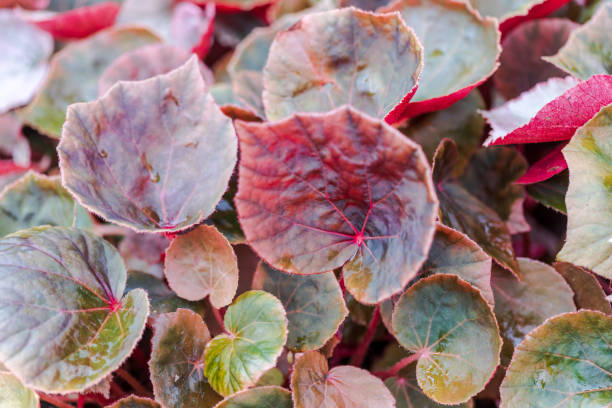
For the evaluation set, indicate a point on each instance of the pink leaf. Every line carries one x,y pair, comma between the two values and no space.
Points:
549,165
538,11
80,22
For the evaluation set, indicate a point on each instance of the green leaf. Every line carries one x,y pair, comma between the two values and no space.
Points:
314,385
273,376
453,331
62,298
589,230
13,394
135,402
152,155
177,361
256,331
588,293
202,263
74,72
260,397
564,363
35,200
588,51
551,192
339,57
504,9
314,304
522,306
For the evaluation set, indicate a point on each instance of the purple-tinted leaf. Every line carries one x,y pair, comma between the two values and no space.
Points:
144,253
319,191
153,155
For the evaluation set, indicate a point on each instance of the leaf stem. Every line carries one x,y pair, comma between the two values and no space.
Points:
361,351
394,371
54,400
133,382
218,317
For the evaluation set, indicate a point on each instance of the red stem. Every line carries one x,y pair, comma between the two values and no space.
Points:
394,371
362,349
54,401
218,317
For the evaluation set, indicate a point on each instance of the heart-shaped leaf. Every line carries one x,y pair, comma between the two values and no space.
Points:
588,293
147,62
202,263
130,155
521,64
588,51
36,199
452,67
135,402
80,22
256,331
314,385
370,61
550,111
260,397
464,212
85,333
319,191
25,50
74,72
522,306
589,234
177,361
451,328
551,192
565,363
13,394
314,304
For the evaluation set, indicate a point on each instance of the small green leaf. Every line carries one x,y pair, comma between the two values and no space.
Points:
564,363
454,333
35,200
260,397
551,192
521,306
273,376
135,402
62,298
588,293
13,394
256,331
202,263
177,361
314,385
313,303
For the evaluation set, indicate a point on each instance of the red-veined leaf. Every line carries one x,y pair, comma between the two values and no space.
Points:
80,22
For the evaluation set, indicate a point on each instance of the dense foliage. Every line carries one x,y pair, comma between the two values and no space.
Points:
305,203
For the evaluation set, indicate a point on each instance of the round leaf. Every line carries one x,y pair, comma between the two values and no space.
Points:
256,331
14,395
177,361
313,303
348,56
65,343
454,65
152,155
135,402
201,263
442,318
588,51
522,306
565,363
74,72
25,50
588,293
589,234
314,385
260,397
35,200
318,190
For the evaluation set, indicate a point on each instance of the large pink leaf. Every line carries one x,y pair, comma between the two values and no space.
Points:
562,106
80,22
321,191
153,155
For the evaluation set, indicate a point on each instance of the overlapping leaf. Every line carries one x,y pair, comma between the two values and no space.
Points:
512,12
80,22
256,331
589,234
177,361
25,50
565,362
74,72
453,66
317,192
260,397
135,402
144,253
12,141
153,155
522,306
202,263
225,217
13,394
313,303
588,293
551,192
370,61
85,333
314,385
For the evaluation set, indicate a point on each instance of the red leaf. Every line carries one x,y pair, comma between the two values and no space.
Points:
80,22
193,27
549,165
538,11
